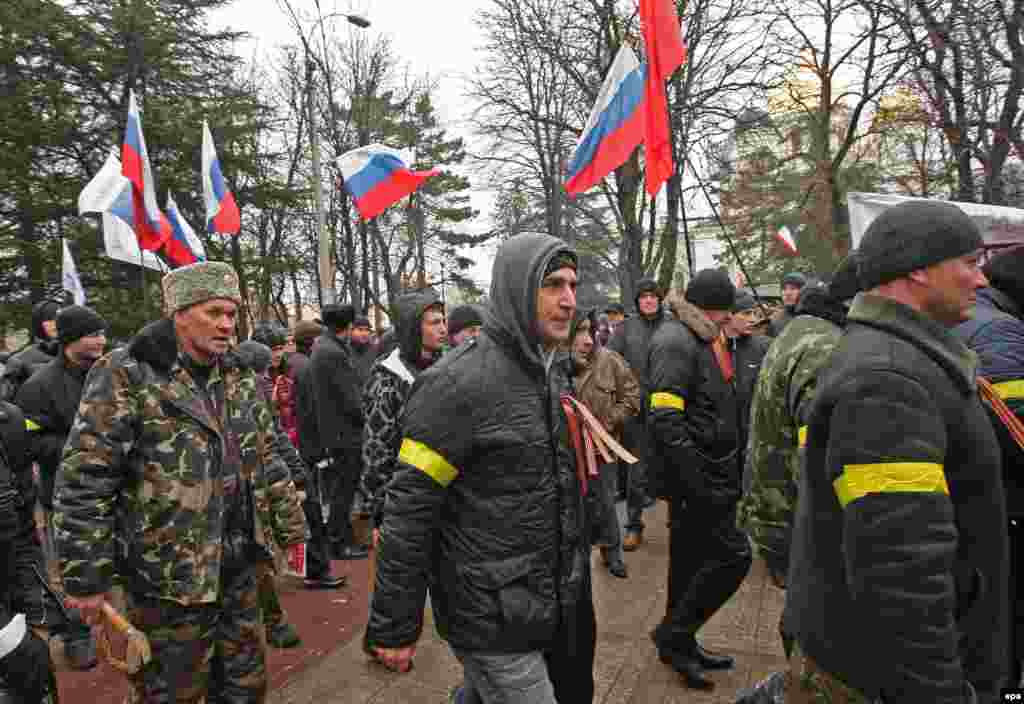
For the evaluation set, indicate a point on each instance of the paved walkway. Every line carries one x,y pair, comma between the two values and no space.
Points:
627,670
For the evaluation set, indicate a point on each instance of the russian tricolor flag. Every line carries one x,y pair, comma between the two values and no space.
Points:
183,246
378,176
615,127
221,210
151,226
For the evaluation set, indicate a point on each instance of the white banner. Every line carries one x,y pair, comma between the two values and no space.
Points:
69,276
998,224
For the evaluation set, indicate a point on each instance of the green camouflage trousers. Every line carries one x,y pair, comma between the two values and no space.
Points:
211,653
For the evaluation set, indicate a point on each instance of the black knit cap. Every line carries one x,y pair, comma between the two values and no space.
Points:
794,278
76,322
744,301
914,235
462,317
615,308
711,289
338,315
647,285
845,282
1005,272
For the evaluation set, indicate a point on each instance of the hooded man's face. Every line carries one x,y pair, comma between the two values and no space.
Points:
647,303
433,330
556,306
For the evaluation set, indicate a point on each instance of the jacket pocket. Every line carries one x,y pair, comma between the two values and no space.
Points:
524,594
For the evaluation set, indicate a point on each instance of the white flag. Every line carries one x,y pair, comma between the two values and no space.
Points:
100,194
69,276
121,244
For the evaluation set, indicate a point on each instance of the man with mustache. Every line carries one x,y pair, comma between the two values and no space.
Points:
170,484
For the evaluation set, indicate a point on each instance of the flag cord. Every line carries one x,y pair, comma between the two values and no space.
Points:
725,233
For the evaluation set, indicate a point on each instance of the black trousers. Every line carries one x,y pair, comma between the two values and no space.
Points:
709,557
341,480
635,436
318,556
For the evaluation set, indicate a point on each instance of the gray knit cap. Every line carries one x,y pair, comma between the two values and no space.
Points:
198,283
913,235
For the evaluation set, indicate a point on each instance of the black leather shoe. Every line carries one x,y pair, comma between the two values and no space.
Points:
689,668
618,569
351,552
325,582
713,661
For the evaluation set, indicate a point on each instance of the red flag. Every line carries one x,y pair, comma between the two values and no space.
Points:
663,40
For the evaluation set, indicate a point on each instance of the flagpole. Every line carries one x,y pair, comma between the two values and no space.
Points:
725,233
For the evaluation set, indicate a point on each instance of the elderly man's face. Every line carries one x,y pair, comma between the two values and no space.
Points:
205,330
950,288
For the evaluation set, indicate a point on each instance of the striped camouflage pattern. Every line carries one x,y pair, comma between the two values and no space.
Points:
782,396
141,491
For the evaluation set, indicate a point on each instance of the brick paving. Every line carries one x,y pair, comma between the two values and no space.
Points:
627,670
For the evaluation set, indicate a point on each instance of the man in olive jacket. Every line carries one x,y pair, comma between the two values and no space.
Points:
170,484
485,502
897,583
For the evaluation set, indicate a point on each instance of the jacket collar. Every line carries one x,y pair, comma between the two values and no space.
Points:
1001,301
394,364
692,317
938,342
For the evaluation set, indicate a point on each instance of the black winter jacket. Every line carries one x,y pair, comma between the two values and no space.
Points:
24,363
996,334
336,395
693,414
632,341
485,499
748,352
49,400
898,576
20,592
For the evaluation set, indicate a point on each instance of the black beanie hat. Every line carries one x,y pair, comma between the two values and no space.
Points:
794,278
254,355
270,334
744,301
462,317
1005,272
338,315
845,283
76,322
646,285
711,289
615,308
914,235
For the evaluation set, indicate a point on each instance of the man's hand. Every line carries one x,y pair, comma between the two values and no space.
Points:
396,659
90,607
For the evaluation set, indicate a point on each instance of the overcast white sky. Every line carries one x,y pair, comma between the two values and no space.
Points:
437,38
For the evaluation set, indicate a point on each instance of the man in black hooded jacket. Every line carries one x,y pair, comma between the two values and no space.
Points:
37,354
485,502
632,341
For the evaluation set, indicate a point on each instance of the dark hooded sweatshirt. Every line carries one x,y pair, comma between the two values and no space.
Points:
485,501
384,398
30,359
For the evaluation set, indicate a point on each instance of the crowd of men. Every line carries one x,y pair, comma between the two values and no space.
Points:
864,444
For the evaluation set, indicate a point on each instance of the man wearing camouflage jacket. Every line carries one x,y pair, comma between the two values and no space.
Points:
170,485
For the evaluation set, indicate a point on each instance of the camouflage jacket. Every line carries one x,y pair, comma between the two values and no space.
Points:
782,396
149,469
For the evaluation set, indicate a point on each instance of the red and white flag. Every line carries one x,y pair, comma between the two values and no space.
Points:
663,42
786,238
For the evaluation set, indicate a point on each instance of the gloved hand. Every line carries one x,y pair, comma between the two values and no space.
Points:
26,669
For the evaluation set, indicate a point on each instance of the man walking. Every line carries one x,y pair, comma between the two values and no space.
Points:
897,584
695,433
996,334
49,399
170,484
339,421
486,503
632,341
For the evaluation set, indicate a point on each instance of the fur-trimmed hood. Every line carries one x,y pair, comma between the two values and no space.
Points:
691,316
